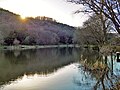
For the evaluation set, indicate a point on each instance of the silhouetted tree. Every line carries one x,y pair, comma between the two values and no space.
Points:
107,8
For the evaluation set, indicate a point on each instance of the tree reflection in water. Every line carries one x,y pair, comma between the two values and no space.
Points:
98,67
90,69
16,64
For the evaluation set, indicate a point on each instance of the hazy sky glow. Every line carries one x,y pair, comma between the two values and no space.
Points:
59,10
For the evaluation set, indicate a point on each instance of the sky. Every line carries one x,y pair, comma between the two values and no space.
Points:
60,10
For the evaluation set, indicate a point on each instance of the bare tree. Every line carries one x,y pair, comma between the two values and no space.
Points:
107,8
91,32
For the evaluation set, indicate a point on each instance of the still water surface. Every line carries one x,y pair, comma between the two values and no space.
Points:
57,69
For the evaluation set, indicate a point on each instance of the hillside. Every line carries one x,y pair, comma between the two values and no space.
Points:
32,31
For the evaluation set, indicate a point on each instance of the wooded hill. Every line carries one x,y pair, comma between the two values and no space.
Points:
33,31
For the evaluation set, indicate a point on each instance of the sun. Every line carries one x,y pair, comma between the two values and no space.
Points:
23,17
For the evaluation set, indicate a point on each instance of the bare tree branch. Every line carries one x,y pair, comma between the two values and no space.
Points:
109,8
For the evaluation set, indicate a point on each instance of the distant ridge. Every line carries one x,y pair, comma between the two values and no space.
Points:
40,30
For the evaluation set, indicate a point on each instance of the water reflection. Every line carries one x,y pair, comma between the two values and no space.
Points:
58,69
99,71
14,64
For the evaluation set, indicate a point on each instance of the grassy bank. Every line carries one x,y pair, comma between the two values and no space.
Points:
117,48
23,47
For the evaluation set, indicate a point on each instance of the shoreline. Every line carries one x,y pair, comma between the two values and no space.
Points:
24,47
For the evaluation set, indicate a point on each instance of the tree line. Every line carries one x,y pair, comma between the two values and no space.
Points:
33,31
